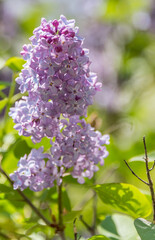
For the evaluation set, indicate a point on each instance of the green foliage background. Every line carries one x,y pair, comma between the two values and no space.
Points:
121,37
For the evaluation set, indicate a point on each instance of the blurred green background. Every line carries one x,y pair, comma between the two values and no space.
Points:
120,35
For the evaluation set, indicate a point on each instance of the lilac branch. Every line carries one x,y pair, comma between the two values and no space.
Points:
149,179
28,201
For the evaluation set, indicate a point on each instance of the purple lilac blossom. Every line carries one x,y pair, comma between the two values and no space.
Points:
60,87
35,118
77,148
57,67
34,172
80,148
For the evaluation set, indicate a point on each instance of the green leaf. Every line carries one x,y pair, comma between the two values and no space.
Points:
21,148
118,227
140,158
99,237
5,189
4,84
121,10
15,63
125,198
145,229
66,200
45,142
3,103
71,216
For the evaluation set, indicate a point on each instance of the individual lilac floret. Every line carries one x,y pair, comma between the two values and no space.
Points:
35,173
79,148
57,67
35,118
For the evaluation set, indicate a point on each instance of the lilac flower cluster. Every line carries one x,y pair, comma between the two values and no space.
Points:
80,148
60,86
34,172
57,68
34,118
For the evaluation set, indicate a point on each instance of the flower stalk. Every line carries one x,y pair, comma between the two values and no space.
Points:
60,210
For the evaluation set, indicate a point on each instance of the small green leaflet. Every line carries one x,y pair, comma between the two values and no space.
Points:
15,64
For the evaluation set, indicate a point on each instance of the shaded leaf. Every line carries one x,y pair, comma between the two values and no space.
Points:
4,84
145,229
21,148
15,63
5,189
125,198
118,227
66,200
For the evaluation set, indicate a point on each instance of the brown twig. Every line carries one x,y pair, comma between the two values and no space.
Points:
150,182
149,179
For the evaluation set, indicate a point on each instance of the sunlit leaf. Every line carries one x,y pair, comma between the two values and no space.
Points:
15,63
45,142
124,198
145,229
99,237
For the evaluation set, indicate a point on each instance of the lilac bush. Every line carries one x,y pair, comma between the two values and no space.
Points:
60,87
